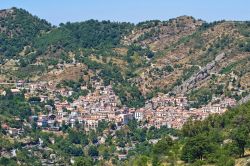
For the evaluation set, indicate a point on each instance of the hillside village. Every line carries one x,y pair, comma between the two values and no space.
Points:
114,93
103,105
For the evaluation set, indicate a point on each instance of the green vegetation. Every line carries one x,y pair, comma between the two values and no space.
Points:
88,34
133,49
244,28
218,46
236,67
29,71
129,95
98,45
200,97
147,35
38,48
245,46
187,73
168,68
24,29
148,24
14,105
229,68
218,140
206,25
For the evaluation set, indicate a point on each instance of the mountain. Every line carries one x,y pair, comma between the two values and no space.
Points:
178,56
135,64
18,29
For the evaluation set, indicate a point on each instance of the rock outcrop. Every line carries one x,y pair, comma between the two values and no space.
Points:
203,74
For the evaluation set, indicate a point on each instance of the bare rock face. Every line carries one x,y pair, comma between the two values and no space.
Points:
219,57
203,74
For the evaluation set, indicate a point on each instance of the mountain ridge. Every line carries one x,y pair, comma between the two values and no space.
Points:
155,56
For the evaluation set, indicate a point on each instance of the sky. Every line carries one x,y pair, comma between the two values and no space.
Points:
61,11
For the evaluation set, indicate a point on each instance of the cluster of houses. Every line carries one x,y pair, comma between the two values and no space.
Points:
174,111
103,105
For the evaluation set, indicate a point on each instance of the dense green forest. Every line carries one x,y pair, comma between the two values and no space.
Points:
20,29
88,34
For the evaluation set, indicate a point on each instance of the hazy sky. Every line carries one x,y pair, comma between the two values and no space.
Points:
57,11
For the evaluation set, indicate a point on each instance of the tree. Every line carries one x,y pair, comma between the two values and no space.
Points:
74,137
113,126
7,161
106,155
155,160
102,125
225,161
196,148
169,68
241,137
132,124
83,161
141,161
163,146
149,53
34,99
64,127
93,152
93,137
